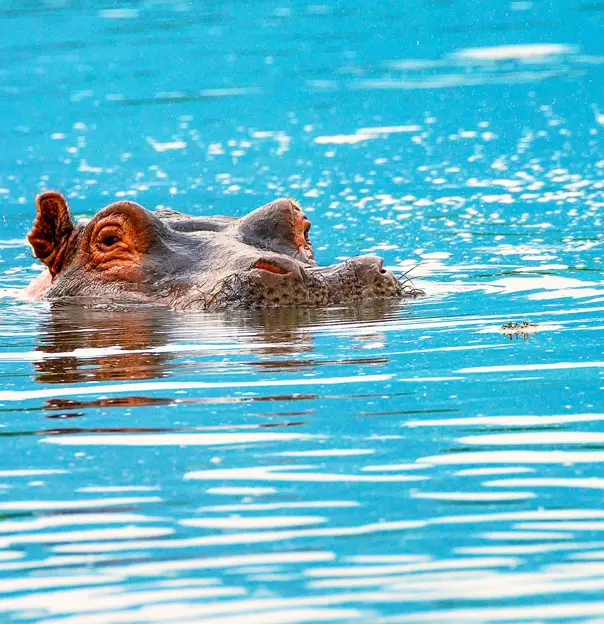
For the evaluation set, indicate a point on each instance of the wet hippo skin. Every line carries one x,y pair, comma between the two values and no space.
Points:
127,254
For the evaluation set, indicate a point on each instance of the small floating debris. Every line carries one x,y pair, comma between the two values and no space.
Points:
515,330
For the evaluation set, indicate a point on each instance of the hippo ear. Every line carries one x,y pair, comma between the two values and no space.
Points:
51,230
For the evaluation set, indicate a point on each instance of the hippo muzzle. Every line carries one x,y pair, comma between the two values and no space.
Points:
127,254
271,283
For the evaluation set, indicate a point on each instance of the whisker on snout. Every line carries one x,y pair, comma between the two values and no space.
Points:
408,288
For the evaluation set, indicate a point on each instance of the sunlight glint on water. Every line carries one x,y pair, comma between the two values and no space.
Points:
400,462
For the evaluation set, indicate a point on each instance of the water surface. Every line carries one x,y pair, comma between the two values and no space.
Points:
394,462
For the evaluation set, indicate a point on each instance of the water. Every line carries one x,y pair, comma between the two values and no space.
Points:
390,463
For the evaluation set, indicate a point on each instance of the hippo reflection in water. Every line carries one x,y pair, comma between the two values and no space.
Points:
127,254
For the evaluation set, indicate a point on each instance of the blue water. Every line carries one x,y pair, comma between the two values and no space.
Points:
401,462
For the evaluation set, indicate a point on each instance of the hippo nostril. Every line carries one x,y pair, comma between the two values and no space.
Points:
380,266
370,268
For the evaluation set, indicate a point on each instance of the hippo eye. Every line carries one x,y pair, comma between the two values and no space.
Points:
109,241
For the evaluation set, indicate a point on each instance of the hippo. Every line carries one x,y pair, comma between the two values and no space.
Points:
127,254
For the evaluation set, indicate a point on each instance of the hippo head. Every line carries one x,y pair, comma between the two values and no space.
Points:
127,254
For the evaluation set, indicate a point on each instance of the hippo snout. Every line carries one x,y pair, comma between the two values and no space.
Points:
360,278
369,268
374,279
277,281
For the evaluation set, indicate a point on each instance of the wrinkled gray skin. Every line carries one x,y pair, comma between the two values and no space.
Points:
210,263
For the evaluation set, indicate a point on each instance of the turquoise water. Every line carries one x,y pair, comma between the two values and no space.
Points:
401,462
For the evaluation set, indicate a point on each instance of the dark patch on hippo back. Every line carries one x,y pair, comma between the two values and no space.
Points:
185,223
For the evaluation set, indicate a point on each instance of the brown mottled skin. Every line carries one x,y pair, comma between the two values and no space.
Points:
127,254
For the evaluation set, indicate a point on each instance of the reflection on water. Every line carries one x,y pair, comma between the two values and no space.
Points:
202,493
374,463
86,344
80,344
